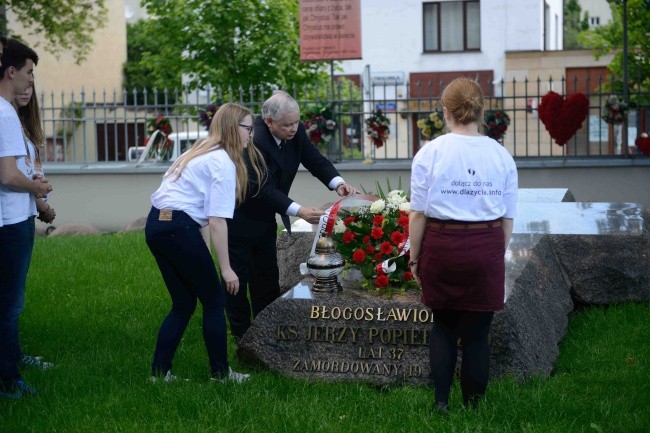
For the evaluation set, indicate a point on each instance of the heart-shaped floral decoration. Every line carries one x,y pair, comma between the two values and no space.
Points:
643,144
563,117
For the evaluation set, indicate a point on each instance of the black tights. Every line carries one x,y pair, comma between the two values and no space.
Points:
472,327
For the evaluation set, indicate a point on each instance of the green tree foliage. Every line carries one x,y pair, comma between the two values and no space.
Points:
574,22
223,42
140,71
65,25
609,38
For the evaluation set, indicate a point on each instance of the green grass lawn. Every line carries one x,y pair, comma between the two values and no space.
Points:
94,305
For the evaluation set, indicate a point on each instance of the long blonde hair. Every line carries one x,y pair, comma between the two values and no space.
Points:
224,134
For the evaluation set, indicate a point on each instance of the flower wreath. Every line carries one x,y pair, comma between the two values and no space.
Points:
163,150
496,123
377,127
374,233
433,125
615,110
319,124
206,116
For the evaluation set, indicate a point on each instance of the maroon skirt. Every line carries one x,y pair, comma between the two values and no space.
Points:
463,268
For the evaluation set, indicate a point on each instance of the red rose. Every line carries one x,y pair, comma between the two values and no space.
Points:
377,233
348,237
408,276
348,220
359,256
370,249
377,220
381,281
379,270
397,237
366,240
402,213
379,256
386,248
403,221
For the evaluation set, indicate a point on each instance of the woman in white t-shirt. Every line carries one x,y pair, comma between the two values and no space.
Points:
30,119
201,188
29,114
463,201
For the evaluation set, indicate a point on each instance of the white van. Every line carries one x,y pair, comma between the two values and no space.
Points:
181,141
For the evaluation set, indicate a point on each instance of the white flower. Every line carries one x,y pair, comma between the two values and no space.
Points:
339,227
396,197
378,206
405,207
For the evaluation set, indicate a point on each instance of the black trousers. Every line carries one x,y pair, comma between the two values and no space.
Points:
254,260
472,327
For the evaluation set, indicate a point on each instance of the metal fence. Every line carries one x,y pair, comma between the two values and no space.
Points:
88,127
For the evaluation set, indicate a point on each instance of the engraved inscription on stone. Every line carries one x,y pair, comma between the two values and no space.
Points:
372,341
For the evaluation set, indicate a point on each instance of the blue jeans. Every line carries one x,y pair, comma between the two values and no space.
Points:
189,273
16,245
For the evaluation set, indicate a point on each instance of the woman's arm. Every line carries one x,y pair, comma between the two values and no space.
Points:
417,225
219,236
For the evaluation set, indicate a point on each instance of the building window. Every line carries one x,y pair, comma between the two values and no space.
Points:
452,26
594,21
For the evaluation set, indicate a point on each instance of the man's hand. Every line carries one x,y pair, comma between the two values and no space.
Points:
310,214
345,189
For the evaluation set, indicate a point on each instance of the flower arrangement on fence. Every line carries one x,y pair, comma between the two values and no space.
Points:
615,110
433,125
377,127
496,124
205,116
162,150
319,124
374,233
642,143
562,117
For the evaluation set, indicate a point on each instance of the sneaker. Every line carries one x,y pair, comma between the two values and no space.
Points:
168,377
233,376
36,362
25,389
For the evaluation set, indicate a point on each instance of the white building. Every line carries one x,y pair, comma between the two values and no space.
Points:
425,39
599,11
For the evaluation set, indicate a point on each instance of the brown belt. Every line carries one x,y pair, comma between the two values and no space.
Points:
465,226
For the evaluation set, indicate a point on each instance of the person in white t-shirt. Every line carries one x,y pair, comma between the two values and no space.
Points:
463,201
26,104
30,119
18,189
201,188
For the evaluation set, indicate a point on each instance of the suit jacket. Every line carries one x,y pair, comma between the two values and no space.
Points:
257,214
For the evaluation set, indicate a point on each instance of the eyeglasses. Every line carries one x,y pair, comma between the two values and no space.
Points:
249,128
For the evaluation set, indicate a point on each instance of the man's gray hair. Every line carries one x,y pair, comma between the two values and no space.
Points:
279,104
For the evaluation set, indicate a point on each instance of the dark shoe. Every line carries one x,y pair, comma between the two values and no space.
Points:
25,389
441,408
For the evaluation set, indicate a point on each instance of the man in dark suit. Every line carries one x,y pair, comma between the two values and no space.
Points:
282,139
